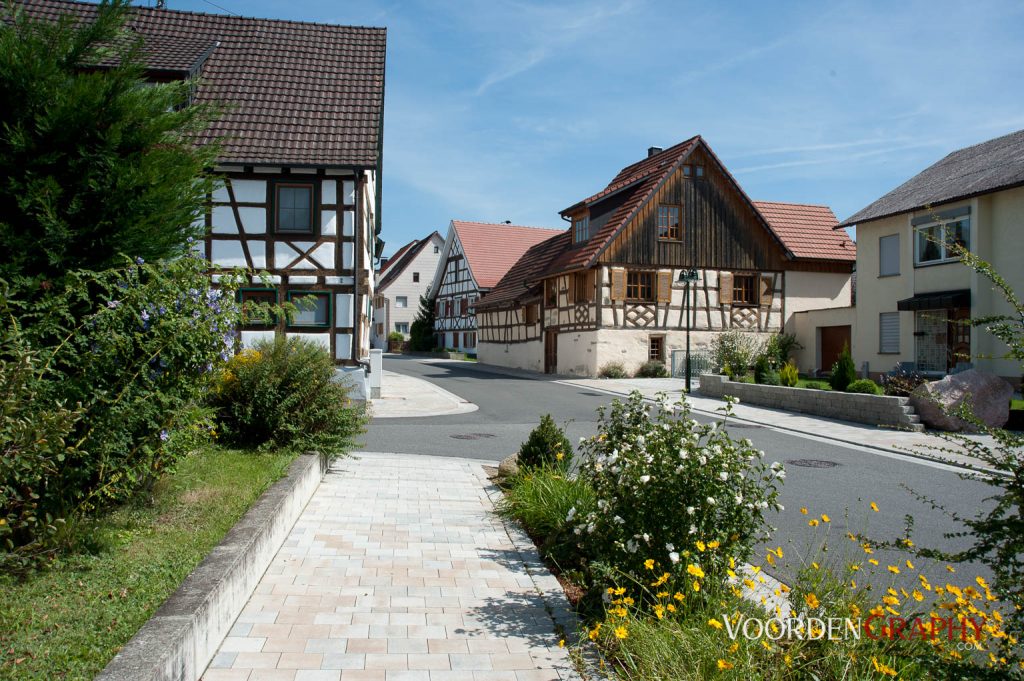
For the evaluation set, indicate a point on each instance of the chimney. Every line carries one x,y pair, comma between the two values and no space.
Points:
651,151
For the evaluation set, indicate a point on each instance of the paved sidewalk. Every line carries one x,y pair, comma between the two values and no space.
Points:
407,396
398,571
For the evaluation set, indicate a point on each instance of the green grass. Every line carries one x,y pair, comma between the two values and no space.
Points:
1016,404
67,623
811,382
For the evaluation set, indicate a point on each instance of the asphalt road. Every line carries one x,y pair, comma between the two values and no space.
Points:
841,483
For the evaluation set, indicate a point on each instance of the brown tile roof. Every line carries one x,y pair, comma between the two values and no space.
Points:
979,169
296,93
492,249
399,254
808,231
520,282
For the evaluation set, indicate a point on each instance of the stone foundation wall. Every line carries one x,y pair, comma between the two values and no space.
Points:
878,410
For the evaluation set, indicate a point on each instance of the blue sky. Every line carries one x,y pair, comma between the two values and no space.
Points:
502,110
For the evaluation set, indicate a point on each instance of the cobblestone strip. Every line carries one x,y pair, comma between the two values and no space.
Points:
399,571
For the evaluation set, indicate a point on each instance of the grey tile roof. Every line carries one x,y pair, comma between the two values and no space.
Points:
297,93
979,169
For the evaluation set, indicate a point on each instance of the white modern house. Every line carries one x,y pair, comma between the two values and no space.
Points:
401,281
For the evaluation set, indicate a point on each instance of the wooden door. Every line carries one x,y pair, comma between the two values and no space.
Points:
550,352
833,338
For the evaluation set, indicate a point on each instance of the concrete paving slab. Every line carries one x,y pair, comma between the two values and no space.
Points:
405,396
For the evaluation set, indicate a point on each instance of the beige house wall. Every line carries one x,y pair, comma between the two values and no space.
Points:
815,291
806,326
528,355
997,228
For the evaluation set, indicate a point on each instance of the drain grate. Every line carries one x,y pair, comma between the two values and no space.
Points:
812,463
471,436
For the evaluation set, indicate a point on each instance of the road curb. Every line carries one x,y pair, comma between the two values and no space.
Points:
181,638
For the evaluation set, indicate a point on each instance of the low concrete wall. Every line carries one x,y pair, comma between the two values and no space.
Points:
878,410
181,638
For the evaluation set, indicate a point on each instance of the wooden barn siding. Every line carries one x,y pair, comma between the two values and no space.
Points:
720,230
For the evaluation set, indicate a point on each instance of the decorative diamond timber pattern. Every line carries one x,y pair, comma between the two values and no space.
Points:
641,315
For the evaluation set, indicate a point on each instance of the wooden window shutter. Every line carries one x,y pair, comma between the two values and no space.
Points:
767,289
618,283
725,288
665,286
570,289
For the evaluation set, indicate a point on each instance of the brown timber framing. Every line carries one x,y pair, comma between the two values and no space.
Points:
313,277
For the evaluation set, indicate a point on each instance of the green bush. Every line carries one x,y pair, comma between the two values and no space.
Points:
136,365
865,386
612,370
764,373
817,385
734,349
283,393
780,347
843,371
652,369
545,501
789,375
546,446
666,486
396,336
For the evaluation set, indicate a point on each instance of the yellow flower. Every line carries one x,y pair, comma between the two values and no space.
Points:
594,632
561,643
910,565
714,544
695,571
812,600
621,632
723,665
874,507
559,456
715,623
872,561
679,596
770,557
950,568
696,585
621,590
825,518
918,596
881,668
893,569
813,522
670,607
659,611
804,510
700,546
649,563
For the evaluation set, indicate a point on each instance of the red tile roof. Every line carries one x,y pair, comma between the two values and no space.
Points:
808,231
492,249
398,255
296,93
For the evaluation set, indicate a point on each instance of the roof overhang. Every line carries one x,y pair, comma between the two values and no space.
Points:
939,300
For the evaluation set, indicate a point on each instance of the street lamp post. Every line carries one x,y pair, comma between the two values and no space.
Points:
688,276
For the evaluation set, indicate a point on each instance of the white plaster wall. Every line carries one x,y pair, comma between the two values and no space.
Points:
342,345
577,353
343,309
1000,242
346,256
329,192
249,191
227,254
329,222
529,355
250,338
223,219
815,291
254,220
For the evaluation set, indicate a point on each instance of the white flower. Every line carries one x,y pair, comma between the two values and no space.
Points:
711,500
571,514
780,474
673,556
723,476
618,520
702,459
780,507
690,510
602,504
645,479
693,529
632,546
670,547
775,465
739,498
647,538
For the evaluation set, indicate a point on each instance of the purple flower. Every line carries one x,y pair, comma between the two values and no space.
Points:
145,316
113,303
189,240
164,436
139,261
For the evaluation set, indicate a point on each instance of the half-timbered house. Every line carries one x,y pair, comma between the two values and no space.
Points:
299,141
476,255
672,242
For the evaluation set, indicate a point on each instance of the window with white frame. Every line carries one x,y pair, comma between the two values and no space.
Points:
889,333
401,301
402,327
889,255
934,238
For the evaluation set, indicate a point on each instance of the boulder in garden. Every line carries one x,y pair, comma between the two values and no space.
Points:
937,402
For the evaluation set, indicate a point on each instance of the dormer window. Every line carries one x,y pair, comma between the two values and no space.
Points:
580,228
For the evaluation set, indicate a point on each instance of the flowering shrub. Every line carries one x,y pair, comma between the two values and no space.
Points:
667,488
736,350
132,348
283,393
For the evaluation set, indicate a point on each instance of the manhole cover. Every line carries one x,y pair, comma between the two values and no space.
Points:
812,463
471,436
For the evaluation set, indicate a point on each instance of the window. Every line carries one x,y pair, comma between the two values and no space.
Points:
669,226
580,228
314,308
294,207
889,255
640,286
583,287
744,290
252,300
699,171
463,306
439,310
448,308
889,333
401,301
532,314
551,292
468,340
402,327
933,240
415,277
656,348
693,171
437,249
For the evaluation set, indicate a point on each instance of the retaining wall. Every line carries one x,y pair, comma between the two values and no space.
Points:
879,410
182,637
